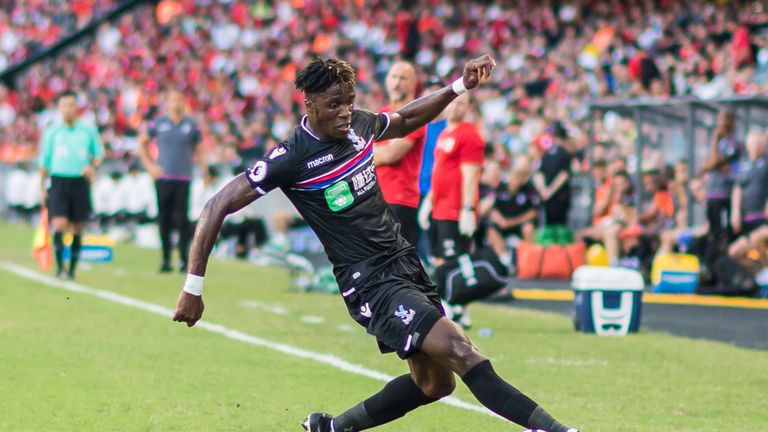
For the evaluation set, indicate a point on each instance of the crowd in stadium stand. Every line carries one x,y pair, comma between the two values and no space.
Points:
30,26
236,61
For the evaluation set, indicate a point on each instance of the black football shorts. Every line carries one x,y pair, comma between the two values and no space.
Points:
70,197
398,304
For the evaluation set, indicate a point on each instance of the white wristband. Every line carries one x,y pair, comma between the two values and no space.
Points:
458,86
194,284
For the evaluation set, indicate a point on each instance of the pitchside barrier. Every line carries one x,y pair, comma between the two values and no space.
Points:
94,248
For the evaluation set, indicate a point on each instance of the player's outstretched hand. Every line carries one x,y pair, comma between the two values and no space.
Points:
478,71
189,308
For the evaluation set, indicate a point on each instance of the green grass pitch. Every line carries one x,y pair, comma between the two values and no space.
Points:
75,362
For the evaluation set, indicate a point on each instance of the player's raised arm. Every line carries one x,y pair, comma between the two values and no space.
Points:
423,110
233,197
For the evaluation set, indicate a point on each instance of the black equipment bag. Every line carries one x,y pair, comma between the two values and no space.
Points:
471,277
732,280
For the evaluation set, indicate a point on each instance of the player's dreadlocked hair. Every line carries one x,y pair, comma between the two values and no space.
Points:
321,74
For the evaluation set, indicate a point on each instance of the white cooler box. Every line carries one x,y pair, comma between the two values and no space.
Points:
607,300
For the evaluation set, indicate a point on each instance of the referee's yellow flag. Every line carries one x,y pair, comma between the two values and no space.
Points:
41,243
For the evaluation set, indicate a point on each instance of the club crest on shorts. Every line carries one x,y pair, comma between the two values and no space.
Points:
405,315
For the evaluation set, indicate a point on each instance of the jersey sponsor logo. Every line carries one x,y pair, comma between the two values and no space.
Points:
405,315
521,198
339,196
277,152
363,181
365,310
258,172
322,160
357,141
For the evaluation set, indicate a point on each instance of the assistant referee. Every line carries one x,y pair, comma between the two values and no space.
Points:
70,152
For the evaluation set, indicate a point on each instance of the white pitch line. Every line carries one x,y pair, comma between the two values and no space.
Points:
312,319
276,309
327,359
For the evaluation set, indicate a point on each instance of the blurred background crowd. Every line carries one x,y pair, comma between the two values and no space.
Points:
235,61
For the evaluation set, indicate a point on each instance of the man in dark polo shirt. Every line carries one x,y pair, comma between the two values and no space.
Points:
552,182
176,136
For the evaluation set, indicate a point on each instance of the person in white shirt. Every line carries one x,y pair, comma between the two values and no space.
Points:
14,192
106,201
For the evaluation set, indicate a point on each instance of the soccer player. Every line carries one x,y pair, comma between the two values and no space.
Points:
452,202
398,160
70,152
326,169
177,137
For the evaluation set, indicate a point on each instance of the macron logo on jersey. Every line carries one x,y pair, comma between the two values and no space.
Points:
322,160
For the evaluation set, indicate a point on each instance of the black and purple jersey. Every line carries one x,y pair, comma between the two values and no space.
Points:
333,185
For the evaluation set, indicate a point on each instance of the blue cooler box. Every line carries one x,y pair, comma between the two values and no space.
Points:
607,300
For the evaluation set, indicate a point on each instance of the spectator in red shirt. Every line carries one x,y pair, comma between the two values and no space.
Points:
452,202
398,161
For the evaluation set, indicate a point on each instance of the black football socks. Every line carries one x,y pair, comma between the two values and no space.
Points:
396,399
58,249
74,254
507,401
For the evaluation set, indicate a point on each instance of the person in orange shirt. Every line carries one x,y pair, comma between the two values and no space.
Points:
661,211
618,228
606,197
602,191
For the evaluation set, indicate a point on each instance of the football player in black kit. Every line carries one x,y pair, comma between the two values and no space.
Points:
326,169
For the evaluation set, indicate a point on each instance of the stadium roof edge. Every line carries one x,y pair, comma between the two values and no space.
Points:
607,104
